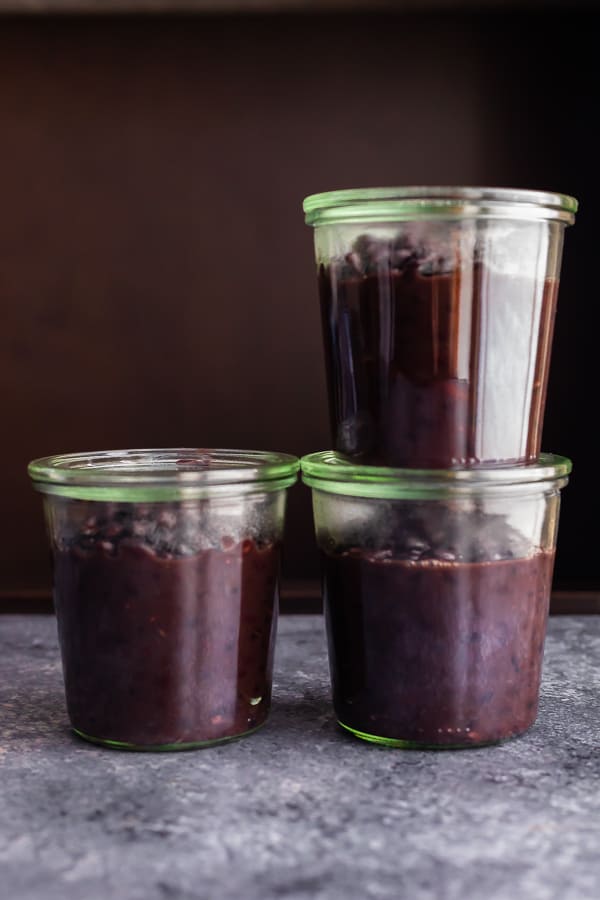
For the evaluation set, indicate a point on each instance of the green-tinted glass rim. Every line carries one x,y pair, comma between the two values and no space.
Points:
162,474
397,204
330,472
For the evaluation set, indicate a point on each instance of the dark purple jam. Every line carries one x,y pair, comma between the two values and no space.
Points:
437,647
408,345
164,641
437,653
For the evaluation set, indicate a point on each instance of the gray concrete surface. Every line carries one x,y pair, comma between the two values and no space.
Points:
299,810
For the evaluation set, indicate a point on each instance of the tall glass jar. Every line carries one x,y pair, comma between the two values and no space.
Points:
438,309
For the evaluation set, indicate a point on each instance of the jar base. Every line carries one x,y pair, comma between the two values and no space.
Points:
162,748
399,744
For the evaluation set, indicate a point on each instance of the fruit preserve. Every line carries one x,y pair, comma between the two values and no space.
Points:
409,382
166,591
436,652
436,589
438,307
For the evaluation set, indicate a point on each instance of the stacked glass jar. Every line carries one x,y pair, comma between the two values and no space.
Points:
436,515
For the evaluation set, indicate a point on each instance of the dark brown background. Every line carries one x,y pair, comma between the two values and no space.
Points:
156,276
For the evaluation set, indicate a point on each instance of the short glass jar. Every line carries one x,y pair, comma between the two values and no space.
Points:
436,592
166,569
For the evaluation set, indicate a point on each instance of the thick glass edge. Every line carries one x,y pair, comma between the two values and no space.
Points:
419,202
434,491
143,493
164,748
328,471
157,468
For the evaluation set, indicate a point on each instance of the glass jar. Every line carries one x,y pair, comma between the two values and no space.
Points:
438,309
436,588
166,567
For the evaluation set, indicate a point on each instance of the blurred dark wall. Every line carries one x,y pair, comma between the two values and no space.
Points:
156,277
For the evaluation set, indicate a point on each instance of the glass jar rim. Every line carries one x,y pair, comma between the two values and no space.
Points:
386,204
330,472
162,474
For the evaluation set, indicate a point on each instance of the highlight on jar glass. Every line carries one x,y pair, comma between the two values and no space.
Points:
436,588
438,310
166,576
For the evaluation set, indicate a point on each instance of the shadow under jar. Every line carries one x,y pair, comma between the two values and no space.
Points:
438,310
436,592
166,572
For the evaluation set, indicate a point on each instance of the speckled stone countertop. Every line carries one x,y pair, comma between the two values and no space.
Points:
299,810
